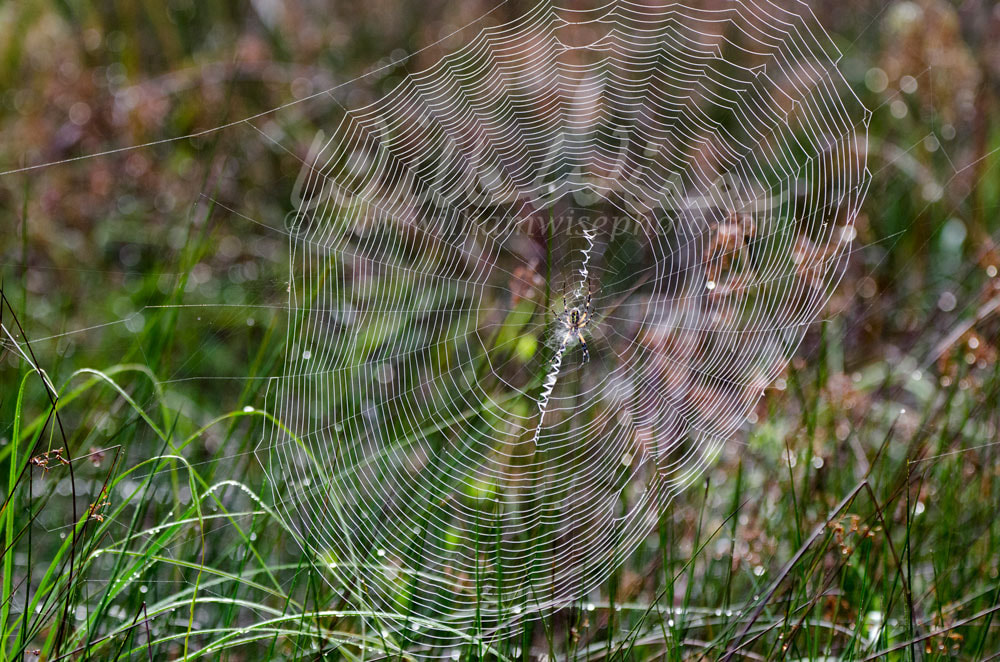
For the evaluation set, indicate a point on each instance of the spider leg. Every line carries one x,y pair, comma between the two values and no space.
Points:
583,346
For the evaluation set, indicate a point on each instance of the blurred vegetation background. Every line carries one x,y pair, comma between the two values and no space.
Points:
133,526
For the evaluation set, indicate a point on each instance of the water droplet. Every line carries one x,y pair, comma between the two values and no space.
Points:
876,80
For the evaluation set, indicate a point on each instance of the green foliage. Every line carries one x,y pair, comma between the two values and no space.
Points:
856,520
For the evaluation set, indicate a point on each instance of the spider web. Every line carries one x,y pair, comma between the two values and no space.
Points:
442,444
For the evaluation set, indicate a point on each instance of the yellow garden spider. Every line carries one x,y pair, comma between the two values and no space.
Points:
574,322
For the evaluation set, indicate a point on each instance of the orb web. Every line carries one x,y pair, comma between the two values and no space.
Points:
455,444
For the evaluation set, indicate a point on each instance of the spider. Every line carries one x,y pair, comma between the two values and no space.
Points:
574,322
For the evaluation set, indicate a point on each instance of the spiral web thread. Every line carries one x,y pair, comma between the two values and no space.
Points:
442,445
